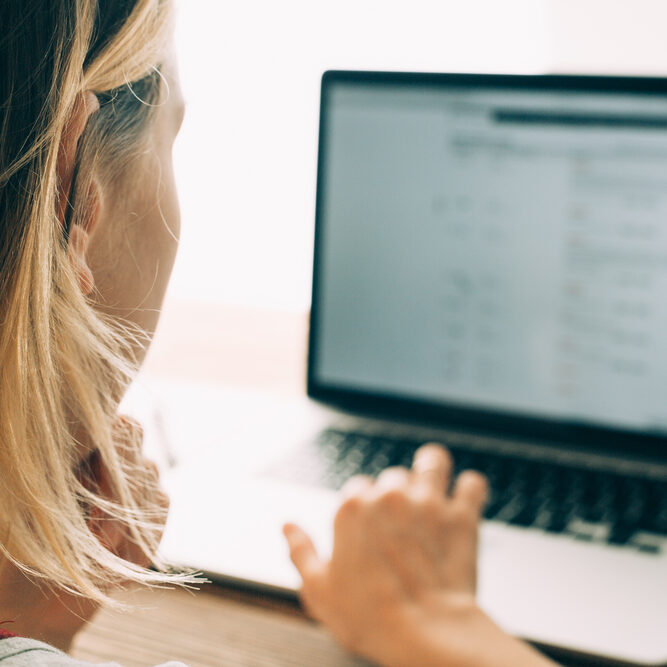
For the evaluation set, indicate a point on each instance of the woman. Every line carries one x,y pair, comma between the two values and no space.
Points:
89,109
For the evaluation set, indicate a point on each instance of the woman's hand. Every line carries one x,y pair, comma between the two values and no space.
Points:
400,586
112,533
33,609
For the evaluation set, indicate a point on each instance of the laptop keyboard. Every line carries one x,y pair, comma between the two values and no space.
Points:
587,504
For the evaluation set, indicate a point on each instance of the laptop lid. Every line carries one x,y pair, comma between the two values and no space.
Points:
491,253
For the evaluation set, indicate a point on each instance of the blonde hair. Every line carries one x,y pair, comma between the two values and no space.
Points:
64,366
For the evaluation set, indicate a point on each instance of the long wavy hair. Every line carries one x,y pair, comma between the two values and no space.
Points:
63,365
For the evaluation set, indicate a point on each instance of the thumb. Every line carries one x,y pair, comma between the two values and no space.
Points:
302,550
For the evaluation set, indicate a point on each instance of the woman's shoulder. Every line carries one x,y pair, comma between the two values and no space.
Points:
24,652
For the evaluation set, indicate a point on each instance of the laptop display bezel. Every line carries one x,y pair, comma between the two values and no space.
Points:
442,414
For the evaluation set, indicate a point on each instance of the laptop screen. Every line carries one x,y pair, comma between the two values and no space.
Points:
493,246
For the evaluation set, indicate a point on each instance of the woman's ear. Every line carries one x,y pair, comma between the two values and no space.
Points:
79,237
85,105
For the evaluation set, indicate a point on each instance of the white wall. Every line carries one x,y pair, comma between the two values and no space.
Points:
246,157
607,36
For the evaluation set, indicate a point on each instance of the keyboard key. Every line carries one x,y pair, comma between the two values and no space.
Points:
586,530
621,533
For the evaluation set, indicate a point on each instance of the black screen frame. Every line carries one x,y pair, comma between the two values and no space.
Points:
447,415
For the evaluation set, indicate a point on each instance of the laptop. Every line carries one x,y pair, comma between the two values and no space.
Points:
490,272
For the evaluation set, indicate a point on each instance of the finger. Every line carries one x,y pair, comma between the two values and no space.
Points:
302,550
471,488
153,490
129,436
432,467
392,478
356,486
163,502
152,468
126,423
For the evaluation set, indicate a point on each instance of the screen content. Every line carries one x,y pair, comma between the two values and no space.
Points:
497,250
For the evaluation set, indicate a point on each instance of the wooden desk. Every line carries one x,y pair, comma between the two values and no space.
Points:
218,626
208,628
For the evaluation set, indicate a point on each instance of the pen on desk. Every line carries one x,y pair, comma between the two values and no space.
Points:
163,438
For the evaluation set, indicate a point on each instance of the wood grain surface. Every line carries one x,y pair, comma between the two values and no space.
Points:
208,628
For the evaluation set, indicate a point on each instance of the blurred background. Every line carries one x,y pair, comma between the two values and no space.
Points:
251,68
246,156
